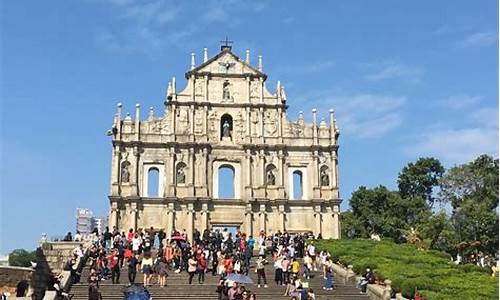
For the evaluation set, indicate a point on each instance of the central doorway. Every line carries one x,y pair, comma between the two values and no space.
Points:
231,228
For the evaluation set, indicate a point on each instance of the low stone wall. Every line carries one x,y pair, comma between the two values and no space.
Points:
51,258
374,291
11,276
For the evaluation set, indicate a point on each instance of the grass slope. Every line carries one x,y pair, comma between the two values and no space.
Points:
430,272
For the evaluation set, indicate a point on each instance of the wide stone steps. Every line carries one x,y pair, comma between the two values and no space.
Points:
178,287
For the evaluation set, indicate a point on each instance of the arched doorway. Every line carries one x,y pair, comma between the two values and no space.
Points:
153,182
298,189
226,182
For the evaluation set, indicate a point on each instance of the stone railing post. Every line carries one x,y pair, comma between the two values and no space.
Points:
387,289
350,274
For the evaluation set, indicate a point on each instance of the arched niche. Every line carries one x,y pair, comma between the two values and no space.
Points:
226,127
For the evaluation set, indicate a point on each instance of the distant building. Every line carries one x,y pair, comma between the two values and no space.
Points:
84,220
4,260
100,223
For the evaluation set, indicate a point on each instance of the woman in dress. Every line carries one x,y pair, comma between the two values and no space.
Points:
162,272
328,274
147,268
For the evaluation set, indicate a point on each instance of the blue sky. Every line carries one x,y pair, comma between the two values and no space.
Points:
407,79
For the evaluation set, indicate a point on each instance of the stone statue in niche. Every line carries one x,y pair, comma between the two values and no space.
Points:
226,129
226,94
125,174
324,178
180,176
270,178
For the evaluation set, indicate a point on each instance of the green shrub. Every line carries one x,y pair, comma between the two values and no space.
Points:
431,273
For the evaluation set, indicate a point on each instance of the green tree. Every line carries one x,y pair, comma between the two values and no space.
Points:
380,211
22,258
417,180
472,191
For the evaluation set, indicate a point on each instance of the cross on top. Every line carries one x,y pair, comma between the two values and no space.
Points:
226,44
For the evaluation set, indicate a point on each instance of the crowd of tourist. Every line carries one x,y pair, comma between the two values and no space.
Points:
154,254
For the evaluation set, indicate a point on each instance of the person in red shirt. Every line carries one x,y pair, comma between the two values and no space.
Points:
201,268
228,264
130,235
114,266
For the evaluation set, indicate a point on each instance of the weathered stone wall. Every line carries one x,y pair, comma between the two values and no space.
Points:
50,258
11,276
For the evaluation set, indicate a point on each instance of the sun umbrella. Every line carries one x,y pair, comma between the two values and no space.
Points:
178,238
240,278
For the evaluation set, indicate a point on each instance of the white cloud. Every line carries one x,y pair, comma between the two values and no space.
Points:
360,115
455,146
392,70
478,39
460,101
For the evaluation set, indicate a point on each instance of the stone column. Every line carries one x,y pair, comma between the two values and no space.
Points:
113,216
261,171
190,220
317,216
261,124
280,167
262,217
191,166
336,224
249,123
315,127
248,219
281,218
204,217
134,174
133,216
315,177
193,87
280,125
170,219
248,89
191,125
115,171
261,84
205,95
248,176
170,173
205,121
173,121
137,121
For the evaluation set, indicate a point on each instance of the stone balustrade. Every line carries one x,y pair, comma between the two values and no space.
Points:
374,291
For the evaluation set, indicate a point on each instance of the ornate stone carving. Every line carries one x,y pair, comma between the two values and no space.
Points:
199,87
182,125
198,121
239,127
270,123
255,121
254,89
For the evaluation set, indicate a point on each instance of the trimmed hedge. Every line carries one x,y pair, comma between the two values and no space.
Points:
432,273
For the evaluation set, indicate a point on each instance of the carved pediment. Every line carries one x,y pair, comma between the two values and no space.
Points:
226,63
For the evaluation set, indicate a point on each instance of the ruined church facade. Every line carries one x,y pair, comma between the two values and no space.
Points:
166,169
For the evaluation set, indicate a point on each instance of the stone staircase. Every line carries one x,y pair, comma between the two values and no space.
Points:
178,287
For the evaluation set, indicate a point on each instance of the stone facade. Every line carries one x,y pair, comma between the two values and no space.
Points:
225,118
